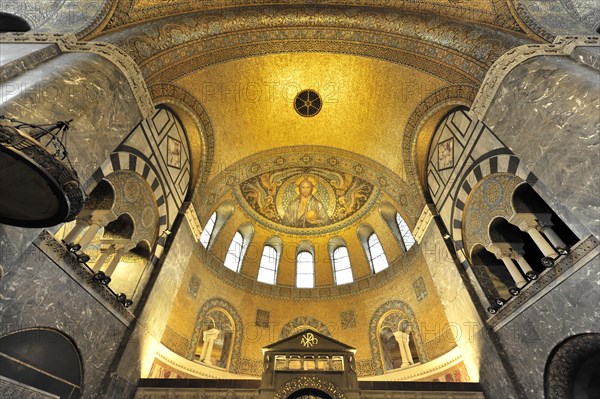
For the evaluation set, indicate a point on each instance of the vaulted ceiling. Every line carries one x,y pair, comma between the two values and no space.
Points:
237,66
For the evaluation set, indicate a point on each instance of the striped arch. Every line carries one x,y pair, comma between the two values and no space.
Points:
127,161
487,165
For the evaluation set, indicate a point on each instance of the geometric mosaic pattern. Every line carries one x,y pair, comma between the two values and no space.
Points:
420,289
348,319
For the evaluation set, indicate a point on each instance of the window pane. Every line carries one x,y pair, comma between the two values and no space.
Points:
234,254
343,277
208,229
268,265
305,281
305,269
407,236
341,266
266,276
378,259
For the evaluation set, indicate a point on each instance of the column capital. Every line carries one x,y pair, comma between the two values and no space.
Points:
544,220
500,249
524,221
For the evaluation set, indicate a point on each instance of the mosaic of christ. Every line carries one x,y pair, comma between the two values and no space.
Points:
301,198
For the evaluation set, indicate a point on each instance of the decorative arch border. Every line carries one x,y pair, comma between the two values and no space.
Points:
563,362
122,160
124,12
237,342
296,384
472,44
488,164
318,325
374,334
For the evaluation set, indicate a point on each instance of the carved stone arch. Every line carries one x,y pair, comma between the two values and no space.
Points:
135,197
304,382
297,324
124,227
122,160
236,349
567,364
382,311
487,201
179,98
101,197
487,165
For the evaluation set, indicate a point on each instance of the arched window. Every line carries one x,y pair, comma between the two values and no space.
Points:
376,255
216,222
267,271
407,236
233,259
269,261
305,269
237,248
340,261
397,224
342,271
208,229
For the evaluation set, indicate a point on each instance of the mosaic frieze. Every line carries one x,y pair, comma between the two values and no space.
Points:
494,12
301,323
420,289
302,200
262,318
149,39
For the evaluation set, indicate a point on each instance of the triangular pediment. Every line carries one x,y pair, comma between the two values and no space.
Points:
308,341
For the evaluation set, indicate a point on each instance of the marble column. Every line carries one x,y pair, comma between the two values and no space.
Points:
503,252
209,338
72,235
528,223
516,254
403,338
104,254
98,220
120,250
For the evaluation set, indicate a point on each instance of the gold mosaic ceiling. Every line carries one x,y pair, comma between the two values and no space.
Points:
379,67
366,104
